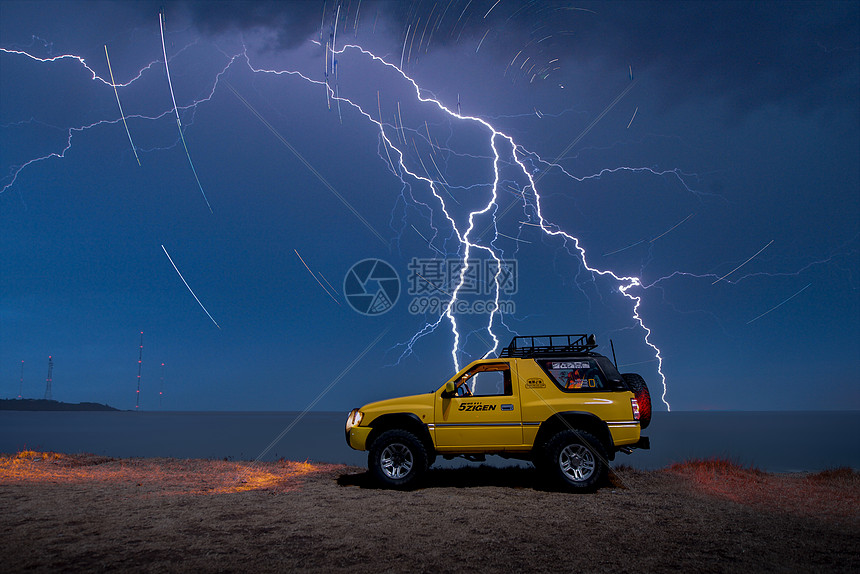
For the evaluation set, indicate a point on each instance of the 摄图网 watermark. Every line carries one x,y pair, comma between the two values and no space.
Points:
432,283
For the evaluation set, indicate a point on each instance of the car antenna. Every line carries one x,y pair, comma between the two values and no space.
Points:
614,360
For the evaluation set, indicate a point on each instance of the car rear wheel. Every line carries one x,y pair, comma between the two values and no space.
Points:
397,459
576,460
637,384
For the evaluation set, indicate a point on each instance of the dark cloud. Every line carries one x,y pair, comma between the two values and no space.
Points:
292,22
751,54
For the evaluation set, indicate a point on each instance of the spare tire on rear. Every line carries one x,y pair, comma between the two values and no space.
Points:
640,390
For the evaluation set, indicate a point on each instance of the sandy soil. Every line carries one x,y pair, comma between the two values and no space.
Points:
87,513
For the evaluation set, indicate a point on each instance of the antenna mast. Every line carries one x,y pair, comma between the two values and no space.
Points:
48,396
139,363
21,388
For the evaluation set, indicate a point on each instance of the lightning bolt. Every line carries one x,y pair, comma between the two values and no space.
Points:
504,150
518,155
15,171
515,171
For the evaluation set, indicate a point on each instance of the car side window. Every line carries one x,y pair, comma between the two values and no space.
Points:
576,374
488,380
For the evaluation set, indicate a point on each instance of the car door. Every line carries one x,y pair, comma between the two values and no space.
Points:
487,415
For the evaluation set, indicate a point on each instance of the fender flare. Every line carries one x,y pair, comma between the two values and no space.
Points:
579,420
405,421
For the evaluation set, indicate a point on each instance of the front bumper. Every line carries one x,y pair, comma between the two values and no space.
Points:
356,437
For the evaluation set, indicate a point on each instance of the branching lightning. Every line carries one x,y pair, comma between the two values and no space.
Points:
517,155
395,139
469,240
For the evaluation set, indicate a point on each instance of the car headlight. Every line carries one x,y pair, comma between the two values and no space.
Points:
354,419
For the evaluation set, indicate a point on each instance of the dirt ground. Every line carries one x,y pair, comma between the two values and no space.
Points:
85,513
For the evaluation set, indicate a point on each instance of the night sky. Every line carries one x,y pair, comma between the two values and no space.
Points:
705,156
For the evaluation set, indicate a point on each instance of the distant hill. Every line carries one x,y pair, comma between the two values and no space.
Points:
46,405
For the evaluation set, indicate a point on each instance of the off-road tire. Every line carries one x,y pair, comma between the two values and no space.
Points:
637,384
575,460
397,459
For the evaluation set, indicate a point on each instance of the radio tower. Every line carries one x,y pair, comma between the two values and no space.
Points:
161,390
48,396
139,363
21,388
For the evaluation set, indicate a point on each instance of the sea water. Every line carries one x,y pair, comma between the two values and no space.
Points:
773,441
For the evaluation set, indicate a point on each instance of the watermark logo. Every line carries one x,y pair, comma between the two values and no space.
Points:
432,282
371,287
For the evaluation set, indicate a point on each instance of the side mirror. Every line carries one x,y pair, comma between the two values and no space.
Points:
449,390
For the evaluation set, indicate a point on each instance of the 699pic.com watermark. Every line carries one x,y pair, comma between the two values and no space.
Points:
431,284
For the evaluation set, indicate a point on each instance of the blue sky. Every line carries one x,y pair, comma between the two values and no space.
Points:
704,154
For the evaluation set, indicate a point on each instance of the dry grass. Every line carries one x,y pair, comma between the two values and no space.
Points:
156,476
848,477
831,494
84,513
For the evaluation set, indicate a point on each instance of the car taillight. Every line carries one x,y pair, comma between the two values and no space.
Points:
635,404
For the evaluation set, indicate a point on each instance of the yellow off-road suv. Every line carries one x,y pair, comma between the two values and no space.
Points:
547,399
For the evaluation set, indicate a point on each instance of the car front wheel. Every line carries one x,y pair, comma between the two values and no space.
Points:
397,459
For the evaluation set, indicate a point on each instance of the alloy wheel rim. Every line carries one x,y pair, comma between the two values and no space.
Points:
577,462
396,461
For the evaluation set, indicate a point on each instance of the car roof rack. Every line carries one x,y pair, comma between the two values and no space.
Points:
548,346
